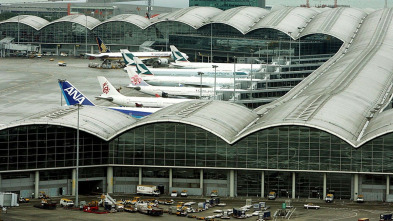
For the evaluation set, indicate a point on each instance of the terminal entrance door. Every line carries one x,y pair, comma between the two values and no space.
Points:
87,187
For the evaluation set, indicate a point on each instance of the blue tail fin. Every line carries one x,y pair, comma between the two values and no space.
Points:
72,95
101,46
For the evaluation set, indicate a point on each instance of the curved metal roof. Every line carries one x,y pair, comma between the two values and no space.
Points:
79,19
101,122
339,22
341,97
137,20
192,16
241,18
223,119
30,20
287,20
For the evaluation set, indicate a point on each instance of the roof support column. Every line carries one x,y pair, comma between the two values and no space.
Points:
140,176
109,179
170,178
355,186
73,182
387,186
263,183
201,180
293,185
37,184
232,183
324,185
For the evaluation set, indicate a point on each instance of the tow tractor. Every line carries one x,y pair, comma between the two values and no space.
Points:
92,207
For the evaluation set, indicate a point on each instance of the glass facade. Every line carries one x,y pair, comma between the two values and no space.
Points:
227,4
286,149
48,146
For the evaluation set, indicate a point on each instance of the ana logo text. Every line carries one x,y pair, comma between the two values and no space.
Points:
75,95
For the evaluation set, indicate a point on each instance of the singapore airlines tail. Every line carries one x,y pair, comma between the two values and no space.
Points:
101,46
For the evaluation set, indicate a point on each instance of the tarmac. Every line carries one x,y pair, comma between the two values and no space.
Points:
338,210
29,86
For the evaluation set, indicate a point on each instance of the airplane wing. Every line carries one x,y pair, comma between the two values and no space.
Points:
105,98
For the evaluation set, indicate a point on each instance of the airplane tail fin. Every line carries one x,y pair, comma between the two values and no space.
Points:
177,55
136,80
101,46
107,88
72,95
129,58
141,68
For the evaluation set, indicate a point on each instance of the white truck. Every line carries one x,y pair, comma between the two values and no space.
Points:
150,190
8,200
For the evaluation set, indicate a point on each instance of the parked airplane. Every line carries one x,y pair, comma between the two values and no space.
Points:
164,91
73,96
189,80
112,95
161,57
182,62
133,60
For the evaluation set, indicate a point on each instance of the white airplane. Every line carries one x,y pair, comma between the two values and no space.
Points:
139,84
112,95
130,60
190,80
162,57
182,62
73,96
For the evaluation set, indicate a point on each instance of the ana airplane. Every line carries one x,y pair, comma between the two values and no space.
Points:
164,91
182,62
73,96
112,95
131,59
189,80
160,57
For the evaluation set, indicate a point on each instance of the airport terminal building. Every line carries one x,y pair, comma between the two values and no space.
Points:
332,133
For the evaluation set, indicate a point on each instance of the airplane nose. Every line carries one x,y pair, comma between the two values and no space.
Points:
137,88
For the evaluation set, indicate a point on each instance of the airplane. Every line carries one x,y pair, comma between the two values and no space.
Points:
189,80
182,62
73,96
131,59
161,57
112,95
139,84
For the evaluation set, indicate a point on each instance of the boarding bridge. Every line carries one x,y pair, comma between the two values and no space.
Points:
7,46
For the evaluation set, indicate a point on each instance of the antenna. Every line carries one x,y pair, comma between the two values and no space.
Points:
308,4
148,8
335,3
386,3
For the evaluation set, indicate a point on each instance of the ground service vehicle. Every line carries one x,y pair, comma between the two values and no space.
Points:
150,190
311,206
184,193
329,198
214,193
23,200
43,195
385,217
360,199
66,202
174,193
272,195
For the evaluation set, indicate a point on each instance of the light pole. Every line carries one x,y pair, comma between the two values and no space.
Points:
18,29
234,78
299,28
252,61
200,86
77,161
61,92
86,34
215,76
211,42
290,47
